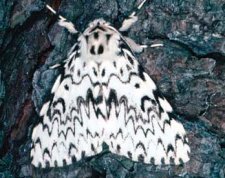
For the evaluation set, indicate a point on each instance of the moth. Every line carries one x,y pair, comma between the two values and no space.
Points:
103,95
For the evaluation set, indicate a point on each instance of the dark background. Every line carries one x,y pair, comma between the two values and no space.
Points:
189,70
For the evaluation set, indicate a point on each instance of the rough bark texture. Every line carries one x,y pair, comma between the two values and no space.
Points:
189,70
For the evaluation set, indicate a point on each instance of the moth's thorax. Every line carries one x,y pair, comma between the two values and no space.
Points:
99,41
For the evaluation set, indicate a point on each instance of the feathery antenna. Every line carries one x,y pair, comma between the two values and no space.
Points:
63,21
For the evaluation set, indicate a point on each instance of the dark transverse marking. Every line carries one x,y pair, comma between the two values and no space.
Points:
118,148
103,72
92,51
60,101
96,35
114,63
108,36
137,85
129,154
78,72
163,161
143,100
100,49
95,72
128,67
66,87
130,59
141,158
86,37
121,71
97,27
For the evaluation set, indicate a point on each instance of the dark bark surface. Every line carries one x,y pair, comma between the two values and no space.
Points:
189,69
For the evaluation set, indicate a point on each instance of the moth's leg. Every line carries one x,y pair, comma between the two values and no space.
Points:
128,22
63,21
137,48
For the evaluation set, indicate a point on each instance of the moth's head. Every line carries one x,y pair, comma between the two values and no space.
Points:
99,37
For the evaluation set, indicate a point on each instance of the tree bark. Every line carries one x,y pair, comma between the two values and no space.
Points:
189,70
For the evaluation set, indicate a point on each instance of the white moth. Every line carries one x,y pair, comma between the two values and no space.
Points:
104,95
